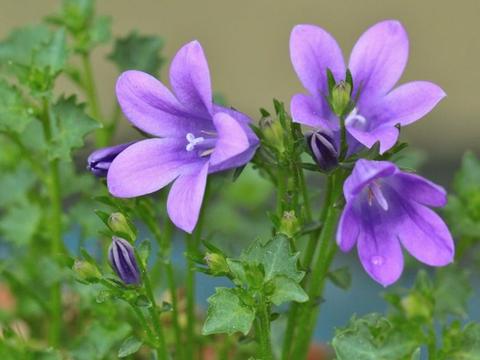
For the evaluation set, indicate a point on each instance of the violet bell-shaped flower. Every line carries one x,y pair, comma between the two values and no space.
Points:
99,161
376,63
121,256
193,136
386,208
323,149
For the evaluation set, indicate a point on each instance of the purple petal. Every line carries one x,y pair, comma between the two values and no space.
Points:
147,166
231,140
419,189
425,236
386,135
364,172
408,103
348,228
309,111
313,51
152,108
378,59
186,196
190,79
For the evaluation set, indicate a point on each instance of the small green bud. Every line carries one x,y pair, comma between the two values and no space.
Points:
273,132
340,97
86,271
416,306
120,225
289,224
216,263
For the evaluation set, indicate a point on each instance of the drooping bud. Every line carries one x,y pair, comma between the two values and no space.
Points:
118,223
323,149
86,271
340,97
122,259
99,161
272,131
289,224
216,263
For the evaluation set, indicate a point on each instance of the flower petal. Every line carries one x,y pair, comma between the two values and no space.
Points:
364,172
312,52
348,228
426,236
309,111
152,108
386,135
147,166
408,103
418,189
378,59
190,79
185,198
232,139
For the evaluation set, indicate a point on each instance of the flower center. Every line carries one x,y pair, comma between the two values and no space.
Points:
355,119
205,144
375,193
193,141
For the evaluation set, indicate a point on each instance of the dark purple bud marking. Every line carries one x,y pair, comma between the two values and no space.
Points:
122,258
323,149
99,161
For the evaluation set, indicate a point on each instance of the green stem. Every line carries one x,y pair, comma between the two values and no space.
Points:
143,322
161,348
176,324
343,139
56,246
263,330
325,252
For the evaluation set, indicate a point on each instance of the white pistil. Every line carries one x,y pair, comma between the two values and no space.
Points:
193,141
355,117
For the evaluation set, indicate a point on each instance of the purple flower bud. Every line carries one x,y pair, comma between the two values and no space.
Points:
99,161
122,258
323,149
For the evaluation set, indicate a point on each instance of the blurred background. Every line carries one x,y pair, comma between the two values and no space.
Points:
247,47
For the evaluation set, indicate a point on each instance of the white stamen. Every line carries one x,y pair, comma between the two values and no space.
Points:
374,192
192,141
206,152
355,117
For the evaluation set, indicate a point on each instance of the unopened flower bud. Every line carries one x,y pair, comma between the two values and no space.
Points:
119,224
273,132
289,224
122,259
216,263
340,97
323,149
100,160
86,271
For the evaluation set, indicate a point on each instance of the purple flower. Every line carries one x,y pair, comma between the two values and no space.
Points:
387,207
323,149
99,161
377,62
194,137
122,258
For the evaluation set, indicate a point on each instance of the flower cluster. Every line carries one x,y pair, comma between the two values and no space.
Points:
349,107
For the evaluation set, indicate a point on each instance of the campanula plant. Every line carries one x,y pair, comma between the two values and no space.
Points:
92,240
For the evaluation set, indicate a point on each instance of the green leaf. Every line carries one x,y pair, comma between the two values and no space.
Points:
452,291
20,222
237,270
341,277
276,258
130,346
70,125
461,344
139,52
285,290
227,314
15,184
15,114
373,337
53,54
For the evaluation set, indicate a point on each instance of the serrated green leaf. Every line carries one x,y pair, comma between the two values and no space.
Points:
52,55
373,337
15,184
139,52
70,125
341,277
15,113
227,314
19,223
237,270
452,292
276,258
130,346
461,344
285,290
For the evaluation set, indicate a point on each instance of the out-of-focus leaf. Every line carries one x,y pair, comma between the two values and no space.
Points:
130,346
227,314
452,292
139,52
341,277
15,114
15,184
460,343
19,223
